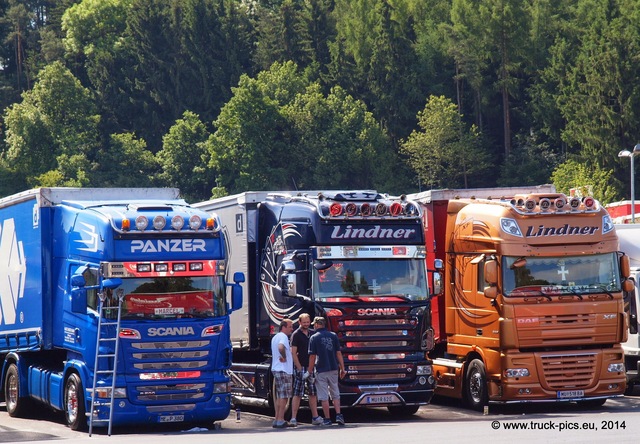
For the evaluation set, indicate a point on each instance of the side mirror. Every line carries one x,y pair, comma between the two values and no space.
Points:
628,285
289,285
625,266
491,292
77,280
437,283
491,278
438,264
238,277
79,300
236,295
491,272
111,283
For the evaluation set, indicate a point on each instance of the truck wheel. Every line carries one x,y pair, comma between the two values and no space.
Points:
403,410
16,404
74,408
475,386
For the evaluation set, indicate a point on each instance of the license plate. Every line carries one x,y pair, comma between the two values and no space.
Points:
564,394
171,418
380,399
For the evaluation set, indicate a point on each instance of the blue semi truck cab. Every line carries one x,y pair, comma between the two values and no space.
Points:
113,307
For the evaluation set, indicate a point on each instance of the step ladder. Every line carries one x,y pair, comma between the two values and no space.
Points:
106,336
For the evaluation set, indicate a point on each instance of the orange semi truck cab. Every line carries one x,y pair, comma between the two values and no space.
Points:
532,307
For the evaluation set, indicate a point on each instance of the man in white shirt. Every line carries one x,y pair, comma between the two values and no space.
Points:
282,369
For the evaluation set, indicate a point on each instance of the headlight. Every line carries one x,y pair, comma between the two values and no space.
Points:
221,387
616,368
516,372
105,392
424,370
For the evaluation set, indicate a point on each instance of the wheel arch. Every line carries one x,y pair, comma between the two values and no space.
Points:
79,368
476,354
13,358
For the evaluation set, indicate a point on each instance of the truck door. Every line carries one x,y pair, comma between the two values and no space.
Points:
482,317
80,322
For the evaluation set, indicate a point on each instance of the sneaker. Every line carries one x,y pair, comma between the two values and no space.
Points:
279,424
293,422
318,420
326,422
340,419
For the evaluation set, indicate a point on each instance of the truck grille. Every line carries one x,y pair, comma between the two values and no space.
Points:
569,372
377,350
168,392
169,364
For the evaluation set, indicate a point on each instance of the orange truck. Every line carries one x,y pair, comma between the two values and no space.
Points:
531,307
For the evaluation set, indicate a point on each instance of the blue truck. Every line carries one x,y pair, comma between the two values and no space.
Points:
114,307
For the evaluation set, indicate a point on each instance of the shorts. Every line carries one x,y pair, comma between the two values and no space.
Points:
299,384
283,382
327,383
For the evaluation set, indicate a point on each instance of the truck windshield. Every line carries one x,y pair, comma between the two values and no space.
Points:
171,298
405,278
576,275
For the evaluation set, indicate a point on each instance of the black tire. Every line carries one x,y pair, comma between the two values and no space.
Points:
403,410
17,405
74,408
475,386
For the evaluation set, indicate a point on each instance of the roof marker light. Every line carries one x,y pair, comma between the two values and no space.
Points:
530,205
410,209
574,203
177,222
589,202
545,204
195,221
351,209
159,222
395,209
335,209
141,223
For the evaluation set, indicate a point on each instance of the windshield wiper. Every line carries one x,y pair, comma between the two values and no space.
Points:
530,292
401,296
601,287
575,293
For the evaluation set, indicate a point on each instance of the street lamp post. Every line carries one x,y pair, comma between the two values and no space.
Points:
631,155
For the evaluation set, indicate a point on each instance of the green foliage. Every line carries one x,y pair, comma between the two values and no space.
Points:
184,158
126,162
55,122
574,174
445,153
594,72
268,138
563,77
529,163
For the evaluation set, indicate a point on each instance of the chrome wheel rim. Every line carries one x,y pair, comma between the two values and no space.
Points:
72,403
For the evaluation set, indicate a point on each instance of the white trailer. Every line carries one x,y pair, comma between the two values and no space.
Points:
629,237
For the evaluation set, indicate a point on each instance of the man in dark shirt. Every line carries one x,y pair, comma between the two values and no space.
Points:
326,357
300,352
